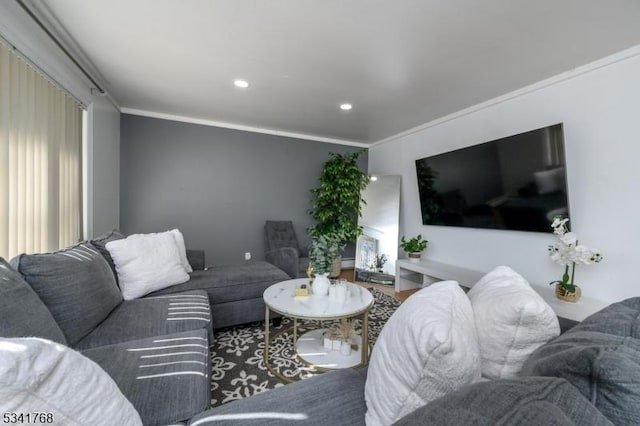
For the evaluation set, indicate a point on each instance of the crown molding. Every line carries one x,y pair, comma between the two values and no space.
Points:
253,129
568,75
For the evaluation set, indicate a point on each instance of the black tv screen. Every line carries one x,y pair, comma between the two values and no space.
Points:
515,183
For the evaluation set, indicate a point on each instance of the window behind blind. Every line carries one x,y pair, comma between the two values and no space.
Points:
40,161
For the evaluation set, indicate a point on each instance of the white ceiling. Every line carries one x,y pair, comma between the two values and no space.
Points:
401,63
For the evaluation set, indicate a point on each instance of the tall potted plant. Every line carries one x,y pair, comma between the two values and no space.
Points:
336,203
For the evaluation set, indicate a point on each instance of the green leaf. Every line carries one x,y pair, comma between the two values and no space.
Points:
336,202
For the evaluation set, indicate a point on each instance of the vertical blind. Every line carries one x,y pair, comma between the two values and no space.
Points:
40,161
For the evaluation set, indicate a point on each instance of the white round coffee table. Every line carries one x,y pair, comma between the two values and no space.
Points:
309,347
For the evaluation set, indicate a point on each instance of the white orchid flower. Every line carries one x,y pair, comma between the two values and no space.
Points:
570,238
567,252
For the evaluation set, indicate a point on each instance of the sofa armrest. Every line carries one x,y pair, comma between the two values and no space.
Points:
566,324
285,258
196,259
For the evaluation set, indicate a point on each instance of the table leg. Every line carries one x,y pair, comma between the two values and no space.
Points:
365,338
295,332
266,334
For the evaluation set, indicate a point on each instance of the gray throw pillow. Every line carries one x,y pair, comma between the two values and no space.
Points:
100,244
22,313
75,283
601,358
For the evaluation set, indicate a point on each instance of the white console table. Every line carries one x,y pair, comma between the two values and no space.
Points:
410,275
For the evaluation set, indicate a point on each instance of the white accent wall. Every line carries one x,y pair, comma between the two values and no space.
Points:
600,107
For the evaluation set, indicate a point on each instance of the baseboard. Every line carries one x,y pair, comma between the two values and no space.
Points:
349,263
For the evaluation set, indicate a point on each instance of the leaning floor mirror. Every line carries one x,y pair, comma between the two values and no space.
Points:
377,247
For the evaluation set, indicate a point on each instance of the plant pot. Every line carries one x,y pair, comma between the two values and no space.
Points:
414,257
336,267
564,294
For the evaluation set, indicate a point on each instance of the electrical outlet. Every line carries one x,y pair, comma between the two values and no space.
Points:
247,256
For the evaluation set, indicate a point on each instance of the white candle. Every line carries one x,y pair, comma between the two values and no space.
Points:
345,348
341,293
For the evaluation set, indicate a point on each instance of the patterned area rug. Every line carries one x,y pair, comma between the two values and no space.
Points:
238,369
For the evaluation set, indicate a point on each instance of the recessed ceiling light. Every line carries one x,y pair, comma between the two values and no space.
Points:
374,178
346,107
243,84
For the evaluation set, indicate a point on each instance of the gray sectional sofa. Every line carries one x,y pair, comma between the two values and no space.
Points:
589,375
71,297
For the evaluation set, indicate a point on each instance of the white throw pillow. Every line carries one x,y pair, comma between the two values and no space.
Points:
182,249
147,262
512,321
427,349
41,376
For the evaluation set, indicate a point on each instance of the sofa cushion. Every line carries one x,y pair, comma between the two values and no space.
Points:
152,316
230,283
100,244
427,349
527,401
22,313
38,375
333,398
75,283
512,321
166,378
147,262
601,358
239,312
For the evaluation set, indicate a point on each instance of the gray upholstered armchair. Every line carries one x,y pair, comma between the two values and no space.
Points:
283,250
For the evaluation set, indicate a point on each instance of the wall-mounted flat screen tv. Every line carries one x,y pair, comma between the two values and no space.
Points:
515,183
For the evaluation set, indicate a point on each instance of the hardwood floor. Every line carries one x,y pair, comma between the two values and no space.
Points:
348,274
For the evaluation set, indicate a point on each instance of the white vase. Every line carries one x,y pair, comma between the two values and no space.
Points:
321,284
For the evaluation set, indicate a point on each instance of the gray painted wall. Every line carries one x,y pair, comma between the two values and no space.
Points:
218,186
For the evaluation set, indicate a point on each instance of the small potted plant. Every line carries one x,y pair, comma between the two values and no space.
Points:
379,262
414,247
